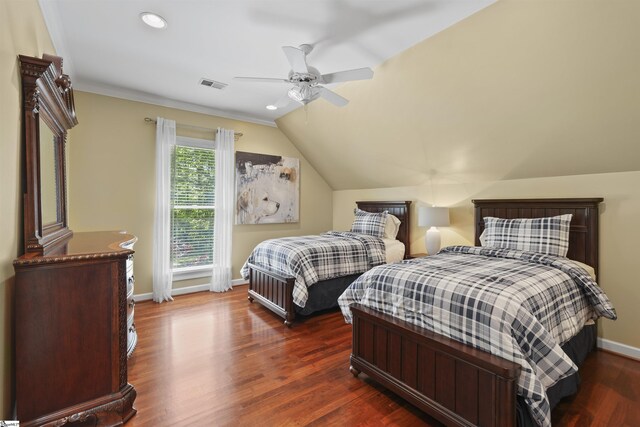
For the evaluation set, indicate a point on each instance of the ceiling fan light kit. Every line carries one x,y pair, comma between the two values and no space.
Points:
302,93
307,80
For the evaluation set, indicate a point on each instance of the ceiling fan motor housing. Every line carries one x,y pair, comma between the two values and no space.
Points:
312,77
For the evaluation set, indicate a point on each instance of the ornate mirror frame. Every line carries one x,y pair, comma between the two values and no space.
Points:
47,99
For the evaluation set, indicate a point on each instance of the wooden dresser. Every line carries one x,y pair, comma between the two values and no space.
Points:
74,329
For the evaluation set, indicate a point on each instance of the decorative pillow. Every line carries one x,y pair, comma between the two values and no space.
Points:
391,227
548,235
369,223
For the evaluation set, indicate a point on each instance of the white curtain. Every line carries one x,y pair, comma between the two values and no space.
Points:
162,274
223,222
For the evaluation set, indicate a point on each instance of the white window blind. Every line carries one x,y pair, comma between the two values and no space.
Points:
192,206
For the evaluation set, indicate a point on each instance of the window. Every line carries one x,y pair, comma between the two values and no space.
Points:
192,205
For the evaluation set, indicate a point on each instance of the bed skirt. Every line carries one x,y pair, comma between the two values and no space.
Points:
324,294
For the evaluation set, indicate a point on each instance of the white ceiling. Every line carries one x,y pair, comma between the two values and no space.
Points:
108,50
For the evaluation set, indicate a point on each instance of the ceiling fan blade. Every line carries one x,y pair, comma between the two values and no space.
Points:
348,75
297,58
261,79
332,97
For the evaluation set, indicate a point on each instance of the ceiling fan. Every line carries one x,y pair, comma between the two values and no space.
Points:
307,80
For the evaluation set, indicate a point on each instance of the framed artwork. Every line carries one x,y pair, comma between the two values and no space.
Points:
267,189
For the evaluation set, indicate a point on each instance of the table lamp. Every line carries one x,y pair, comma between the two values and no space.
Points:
432,217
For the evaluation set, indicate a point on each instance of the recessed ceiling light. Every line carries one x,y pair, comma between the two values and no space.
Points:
153,20
271,107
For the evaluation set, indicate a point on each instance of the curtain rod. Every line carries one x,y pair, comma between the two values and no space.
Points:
237,135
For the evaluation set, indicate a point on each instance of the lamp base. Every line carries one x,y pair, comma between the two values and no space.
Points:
432,241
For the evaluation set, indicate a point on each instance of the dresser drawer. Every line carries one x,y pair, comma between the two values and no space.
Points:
131,280
131,302
132,338
130,322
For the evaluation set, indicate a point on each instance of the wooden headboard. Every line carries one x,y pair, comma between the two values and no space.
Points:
401,210
583,234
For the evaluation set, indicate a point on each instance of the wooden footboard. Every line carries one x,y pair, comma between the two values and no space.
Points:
273,291
456,384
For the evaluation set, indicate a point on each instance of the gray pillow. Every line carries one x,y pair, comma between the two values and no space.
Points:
549,235
369,222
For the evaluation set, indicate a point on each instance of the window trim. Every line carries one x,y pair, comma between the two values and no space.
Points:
199,271
195,142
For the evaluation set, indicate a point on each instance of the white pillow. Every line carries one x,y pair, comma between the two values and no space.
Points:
392,227
483,238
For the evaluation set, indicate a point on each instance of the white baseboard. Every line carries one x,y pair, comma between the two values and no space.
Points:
187,290
622,349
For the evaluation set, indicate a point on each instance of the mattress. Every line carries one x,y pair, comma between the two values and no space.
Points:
590,270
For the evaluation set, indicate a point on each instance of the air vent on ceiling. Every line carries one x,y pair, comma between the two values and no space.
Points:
212,83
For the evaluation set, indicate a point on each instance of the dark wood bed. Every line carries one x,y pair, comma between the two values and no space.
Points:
275,291
455,383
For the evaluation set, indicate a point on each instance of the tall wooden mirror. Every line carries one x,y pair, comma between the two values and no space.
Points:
48,113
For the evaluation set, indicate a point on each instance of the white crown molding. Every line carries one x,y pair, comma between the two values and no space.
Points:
53,22
616,347
188,290
148,98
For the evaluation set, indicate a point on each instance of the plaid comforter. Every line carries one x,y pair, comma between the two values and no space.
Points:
313,258
518,305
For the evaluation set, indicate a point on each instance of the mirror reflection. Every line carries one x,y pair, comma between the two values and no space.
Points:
48,175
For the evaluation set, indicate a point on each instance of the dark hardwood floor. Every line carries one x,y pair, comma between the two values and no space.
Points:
211,359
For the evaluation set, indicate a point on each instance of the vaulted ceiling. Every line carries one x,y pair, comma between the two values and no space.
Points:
518,90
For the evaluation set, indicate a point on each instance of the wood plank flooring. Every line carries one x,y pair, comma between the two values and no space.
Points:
211,359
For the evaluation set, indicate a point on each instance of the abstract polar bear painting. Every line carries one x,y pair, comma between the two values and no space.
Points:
267,188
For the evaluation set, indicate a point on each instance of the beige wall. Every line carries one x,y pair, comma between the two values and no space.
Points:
111,172
22,31
619,230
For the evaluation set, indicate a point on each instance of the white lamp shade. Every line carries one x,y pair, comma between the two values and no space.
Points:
433,216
